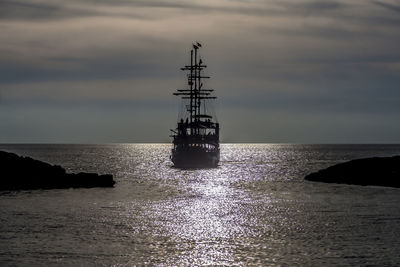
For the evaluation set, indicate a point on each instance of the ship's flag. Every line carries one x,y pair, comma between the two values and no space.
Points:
195,46
198,44
200,62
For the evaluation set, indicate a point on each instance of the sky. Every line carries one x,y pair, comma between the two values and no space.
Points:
284,71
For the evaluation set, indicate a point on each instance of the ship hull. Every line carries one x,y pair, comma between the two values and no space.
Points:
195,158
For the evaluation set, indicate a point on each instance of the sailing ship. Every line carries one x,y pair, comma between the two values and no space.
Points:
196,138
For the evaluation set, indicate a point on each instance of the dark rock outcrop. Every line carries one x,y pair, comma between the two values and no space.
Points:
369,171
18,173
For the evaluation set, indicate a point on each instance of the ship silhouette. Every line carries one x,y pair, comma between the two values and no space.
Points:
196,138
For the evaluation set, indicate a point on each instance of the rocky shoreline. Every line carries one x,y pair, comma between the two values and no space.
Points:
379,171
24,173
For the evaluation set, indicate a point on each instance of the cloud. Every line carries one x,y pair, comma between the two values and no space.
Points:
390,6
285,57
44,10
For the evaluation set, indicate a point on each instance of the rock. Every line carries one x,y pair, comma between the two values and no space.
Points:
18,173
369,171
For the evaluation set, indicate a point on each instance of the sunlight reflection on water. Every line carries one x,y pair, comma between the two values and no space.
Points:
254,209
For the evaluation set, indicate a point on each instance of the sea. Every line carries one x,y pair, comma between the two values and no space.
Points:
254,209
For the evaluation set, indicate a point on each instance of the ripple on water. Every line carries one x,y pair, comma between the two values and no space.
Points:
254,209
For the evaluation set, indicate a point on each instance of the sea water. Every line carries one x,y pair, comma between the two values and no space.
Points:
254,209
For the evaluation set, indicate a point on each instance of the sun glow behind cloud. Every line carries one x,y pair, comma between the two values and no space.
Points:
285,69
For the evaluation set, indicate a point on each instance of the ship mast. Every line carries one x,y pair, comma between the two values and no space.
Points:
195,93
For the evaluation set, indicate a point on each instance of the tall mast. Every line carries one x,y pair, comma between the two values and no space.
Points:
196,99
199,86
195,93
191,90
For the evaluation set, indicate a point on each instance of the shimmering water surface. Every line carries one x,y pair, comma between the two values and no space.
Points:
254,209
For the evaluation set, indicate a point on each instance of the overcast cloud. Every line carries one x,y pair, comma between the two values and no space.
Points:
284,71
